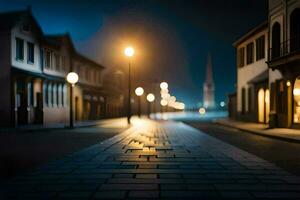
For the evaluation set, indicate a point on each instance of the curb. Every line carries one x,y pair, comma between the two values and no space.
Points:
260,134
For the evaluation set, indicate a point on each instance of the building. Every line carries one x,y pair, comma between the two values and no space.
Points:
253,95
33,70
209,87
284,57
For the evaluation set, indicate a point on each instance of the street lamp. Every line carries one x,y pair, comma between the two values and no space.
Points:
72,78
150,99
139,92
129,52
164,85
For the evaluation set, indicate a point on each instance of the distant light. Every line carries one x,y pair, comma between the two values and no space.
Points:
129,51
165,96
164,85
202,111
288,83
296,92
222,104
150,97
72,78
163,102
172,99
139,91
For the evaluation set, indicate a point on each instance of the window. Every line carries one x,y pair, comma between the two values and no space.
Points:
50,100
48,59
63,64
250,53
19,49
30,52
57,62
260,48
249,99
243,100
241,57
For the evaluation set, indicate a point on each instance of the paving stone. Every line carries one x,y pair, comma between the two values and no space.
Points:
129,187
166,160
143,194
153,176
110,195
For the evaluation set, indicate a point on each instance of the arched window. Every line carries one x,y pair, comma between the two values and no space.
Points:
276,40
295,30
59,94
54,87
50,102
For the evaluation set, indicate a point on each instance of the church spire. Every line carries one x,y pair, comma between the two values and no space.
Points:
209,76
208,86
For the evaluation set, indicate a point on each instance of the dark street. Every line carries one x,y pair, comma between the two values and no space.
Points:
272,150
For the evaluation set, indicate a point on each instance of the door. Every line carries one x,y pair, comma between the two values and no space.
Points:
263,105
39,109
22,108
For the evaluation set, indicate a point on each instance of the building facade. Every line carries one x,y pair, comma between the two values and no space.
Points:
284,56
33,70
253,94
209,87
268,83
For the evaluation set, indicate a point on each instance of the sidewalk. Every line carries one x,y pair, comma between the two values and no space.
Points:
290,135
122,121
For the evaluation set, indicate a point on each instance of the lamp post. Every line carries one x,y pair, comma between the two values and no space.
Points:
72,79
129,52
139,92
150,99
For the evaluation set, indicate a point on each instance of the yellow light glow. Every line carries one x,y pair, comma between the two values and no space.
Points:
296,92
72,78
139,91
164,85
129,51
261,105
165,96
202,111
150,97
288,83
163,102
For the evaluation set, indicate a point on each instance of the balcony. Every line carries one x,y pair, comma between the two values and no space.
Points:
285,53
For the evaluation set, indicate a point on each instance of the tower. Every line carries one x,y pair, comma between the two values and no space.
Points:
209,86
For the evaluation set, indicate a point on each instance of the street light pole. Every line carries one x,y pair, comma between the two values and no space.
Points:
150,98
72,79
139,91
129,93
71,106
129,52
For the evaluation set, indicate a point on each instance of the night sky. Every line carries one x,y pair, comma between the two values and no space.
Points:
172,38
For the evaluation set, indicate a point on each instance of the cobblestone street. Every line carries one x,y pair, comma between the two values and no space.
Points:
157,160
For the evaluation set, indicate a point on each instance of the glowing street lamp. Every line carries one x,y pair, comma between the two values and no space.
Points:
129,52
202,111
139,92
163,102
164,85
72,78
150,98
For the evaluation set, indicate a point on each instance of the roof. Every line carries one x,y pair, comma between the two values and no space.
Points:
58,40
250,33
85,59
10,19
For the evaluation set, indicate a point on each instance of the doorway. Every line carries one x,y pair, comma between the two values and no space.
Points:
263,98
